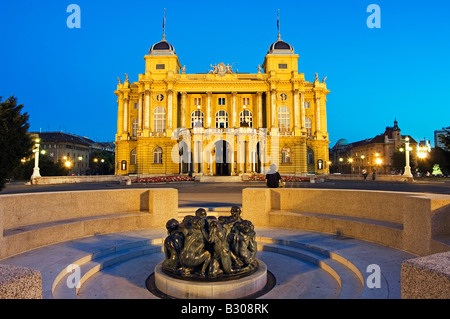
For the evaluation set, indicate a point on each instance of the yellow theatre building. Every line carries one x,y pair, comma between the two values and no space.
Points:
221,123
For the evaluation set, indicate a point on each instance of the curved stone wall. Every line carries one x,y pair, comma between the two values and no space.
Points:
417,223
28,221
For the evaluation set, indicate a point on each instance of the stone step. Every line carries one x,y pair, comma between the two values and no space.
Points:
349,282
343,271
92,264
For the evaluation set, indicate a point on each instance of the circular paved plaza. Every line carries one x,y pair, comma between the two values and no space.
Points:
305,265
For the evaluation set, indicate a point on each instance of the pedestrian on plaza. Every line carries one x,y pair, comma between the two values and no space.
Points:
373,175
364,173
273,178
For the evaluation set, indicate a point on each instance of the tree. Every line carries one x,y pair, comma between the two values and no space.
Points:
445,139
436,156
46,166
15,141
101,163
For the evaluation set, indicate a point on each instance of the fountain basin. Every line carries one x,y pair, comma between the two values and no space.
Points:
229,289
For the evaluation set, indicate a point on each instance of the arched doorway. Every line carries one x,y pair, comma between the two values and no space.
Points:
222,158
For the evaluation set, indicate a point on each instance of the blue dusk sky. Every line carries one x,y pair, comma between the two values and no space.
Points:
66,77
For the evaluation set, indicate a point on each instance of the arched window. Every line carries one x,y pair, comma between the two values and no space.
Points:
123,165
308,126
197,118
133,157
159,119
221,119
134,127
284,120
286,155
157,155
246,117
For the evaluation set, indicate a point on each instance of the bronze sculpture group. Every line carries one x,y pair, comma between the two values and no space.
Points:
206,247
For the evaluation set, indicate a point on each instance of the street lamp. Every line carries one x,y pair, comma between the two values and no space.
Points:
36,170
407,172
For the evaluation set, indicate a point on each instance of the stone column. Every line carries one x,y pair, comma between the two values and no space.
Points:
208,110
233,112
125,115
120,116
233,147
183,109
273,102
147,110
296,110
169,109
140,112
240,154
317,114
302,110
260,119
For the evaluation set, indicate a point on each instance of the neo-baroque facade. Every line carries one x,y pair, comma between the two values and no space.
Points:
221,122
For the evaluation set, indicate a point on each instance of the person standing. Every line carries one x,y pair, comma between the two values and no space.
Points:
273,178
364,173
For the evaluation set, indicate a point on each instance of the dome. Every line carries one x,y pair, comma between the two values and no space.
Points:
341,142
162,47
281,47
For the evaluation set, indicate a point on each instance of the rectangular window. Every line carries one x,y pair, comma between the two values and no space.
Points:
282,66
307,106
197,101
246,101
136,106
221,101
160,66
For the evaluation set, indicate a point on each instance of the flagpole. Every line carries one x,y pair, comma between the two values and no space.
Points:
278,23
164,24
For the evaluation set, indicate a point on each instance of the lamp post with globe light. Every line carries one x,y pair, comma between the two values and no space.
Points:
36,170
407,172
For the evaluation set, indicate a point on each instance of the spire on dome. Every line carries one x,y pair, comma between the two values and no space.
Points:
164,25
278,24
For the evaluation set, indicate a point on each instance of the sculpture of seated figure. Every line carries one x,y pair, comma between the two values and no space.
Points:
229,221
201,212
242,242
173,245
185,225
221,256
194,253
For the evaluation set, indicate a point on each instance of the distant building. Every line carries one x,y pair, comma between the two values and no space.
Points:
72,150
371,154
438,135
